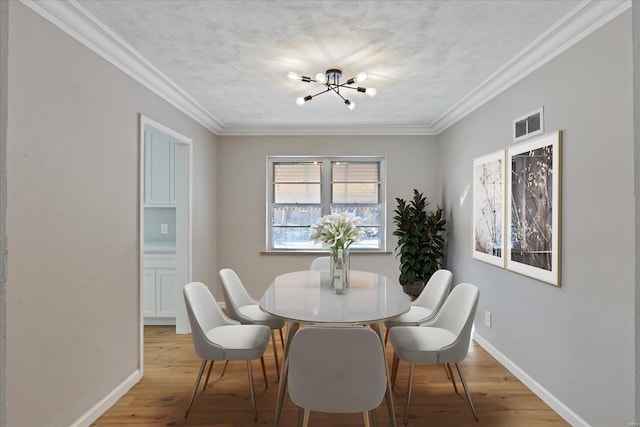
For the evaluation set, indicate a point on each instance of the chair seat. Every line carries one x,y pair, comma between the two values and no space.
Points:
420,343
240,342
258,316
413,317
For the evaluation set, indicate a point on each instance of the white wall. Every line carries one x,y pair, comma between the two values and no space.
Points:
412,162
576,341
72,222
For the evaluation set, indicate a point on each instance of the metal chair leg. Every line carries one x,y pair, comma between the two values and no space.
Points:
206,380
275,354
253,398
195,387
305,418
394,370
451,377
281,338
224,369
264,373
365,416
406,411
466,391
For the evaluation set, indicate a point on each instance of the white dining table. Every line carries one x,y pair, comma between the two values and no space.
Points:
307,297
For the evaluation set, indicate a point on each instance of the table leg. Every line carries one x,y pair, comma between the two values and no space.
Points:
378,328
292,327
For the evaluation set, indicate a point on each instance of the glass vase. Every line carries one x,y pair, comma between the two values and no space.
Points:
339,270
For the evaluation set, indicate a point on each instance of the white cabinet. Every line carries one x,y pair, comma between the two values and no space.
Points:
166,293
159,299
159,170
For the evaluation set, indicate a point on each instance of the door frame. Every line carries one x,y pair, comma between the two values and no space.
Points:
184,220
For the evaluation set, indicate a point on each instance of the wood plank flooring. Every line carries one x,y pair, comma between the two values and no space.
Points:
171,366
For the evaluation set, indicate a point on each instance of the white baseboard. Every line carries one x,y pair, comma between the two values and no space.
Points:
544,394
108,401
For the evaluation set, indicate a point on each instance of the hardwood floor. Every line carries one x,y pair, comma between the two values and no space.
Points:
171,366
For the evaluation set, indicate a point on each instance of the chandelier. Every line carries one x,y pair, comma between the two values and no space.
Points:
331,80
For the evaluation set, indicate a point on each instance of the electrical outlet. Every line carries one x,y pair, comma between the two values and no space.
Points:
487,319
164,228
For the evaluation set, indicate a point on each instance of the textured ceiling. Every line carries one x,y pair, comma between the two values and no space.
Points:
424,57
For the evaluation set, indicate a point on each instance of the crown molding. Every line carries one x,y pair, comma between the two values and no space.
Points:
587,17
73,19
325,130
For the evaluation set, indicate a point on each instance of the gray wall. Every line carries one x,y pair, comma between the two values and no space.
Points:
73,307
636,115
412,162
4,83
577,340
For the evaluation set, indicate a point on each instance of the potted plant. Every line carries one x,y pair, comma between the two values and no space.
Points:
420,242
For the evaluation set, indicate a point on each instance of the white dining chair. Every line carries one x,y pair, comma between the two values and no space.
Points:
337,369
216,337
444,339
241,307
427,304
321,263
423,309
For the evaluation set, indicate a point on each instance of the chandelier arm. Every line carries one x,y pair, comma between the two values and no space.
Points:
334,88
344,85
320,93
338,93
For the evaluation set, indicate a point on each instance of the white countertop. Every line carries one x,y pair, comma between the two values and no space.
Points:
159,247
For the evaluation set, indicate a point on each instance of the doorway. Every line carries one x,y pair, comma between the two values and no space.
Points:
165,225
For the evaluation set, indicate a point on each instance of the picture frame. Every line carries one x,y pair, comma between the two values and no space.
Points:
488,208
534,191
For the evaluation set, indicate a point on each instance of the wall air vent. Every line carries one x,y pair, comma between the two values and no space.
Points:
528,125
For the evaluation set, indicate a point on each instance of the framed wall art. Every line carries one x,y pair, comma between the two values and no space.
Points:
534,170
488,208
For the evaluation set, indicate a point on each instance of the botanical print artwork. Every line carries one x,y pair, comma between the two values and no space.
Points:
533,186
488,208
531,207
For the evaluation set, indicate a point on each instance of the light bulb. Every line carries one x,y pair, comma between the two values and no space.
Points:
371,91
361,77
302,101
293,76
350,105
321,78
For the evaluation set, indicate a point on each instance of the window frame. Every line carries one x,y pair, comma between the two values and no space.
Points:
325,196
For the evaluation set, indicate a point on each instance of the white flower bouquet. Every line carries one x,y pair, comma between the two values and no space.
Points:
337,231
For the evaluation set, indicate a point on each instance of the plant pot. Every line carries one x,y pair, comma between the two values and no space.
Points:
413,289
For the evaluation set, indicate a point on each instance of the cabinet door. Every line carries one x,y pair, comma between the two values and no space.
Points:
165,293
149,293
158,169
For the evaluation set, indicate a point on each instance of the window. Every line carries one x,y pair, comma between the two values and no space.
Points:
303,189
